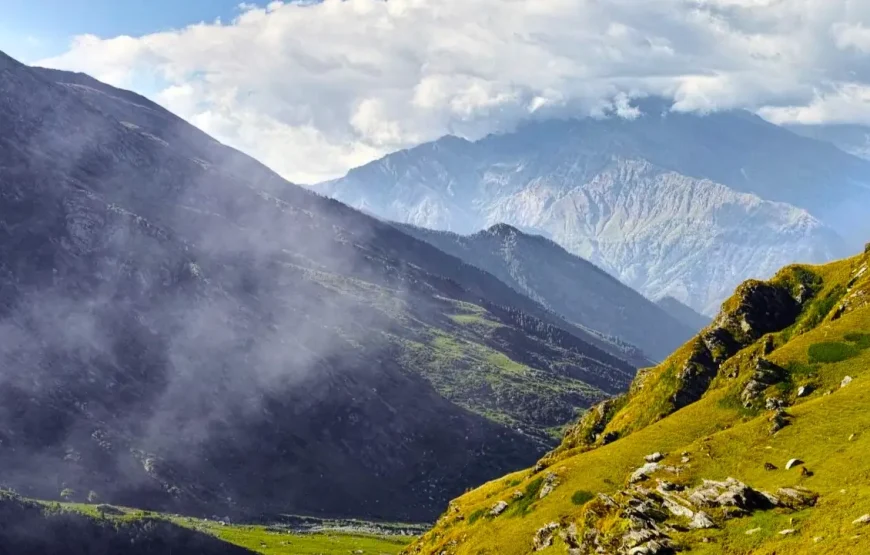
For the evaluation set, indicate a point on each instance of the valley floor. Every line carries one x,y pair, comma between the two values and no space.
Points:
307,537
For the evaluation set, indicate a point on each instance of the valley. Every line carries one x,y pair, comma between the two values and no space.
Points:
408,278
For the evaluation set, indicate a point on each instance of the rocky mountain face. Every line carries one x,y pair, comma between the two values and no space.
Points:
576,289
743,441
672,204
683,313
182,329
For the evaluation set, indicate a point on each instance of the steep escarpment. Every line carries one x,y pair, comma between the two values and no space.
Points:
761,459
181,329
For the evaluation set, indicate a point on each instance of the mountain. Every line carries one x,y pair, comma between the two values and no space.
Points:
672,204
683,313
183,330
574,288
746,440
854,139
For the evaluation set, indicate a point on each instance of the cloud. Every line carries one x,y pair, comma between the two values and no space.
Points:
313,88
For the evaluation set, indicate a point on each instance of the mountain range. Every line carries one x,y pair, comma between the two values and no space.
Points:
574,288
181,329
672,204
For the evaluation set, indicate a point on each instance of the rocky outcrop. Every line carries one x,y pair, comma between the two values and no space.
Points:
765,375
640,520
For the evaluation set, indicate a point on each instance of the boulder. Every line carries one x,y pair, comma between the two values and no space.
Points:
797,497
793,463
544,536
644,472
769,466
701,521
778,421
846,381
654,458
804,390
787,532
498,508
862,520
730,493
550,483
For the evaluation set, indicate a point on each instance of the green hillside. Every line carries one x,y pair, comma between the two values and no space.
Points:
783,373
28,526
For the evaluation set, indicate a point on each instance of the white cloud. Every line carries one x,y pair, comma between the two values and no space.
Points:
312,89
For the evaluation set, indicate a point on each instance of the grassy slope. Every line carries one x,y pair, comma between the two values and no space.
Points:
259,539
723,439
463,355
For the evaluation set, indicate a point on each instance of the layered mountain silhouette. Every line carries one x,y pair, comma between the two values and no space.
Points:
567,284
182,329
672,204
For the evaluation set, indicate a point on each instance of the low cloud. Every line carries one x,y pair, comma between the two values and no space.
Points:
314,88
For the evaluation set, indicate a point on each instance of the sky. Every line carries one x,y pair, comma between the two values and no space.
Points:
315,88
31,31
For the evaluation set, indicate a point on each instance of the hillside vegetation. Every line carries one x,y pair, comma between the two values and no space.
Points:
570,286
183,330
751,438
28,526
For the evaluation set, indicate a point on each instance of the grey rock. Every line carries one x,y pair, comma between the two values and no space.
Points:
654,458
498,508
544,536
701,521
644,472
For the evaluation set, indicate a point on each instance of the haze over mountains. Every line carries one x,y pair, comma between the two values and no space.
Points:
182,329
567,284
673,204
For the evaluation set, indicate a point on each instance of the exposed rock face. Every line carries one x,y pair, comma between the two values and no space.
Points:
730,493
663,216
640,520
544,536
765,375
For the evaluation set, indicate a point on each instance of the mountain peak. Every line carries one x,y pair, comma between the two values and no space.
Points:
503,230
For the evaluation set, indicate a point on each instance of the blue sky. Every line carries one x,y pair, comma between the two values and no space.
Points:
32,30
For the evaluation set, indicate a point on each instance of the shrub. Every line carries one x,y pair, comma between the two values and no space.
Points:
523,505
831,352
862,340
581,497
476,515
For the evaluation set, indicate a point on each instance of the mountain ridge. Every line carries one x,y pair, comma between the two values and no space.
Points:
179,319
598,188
575,288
